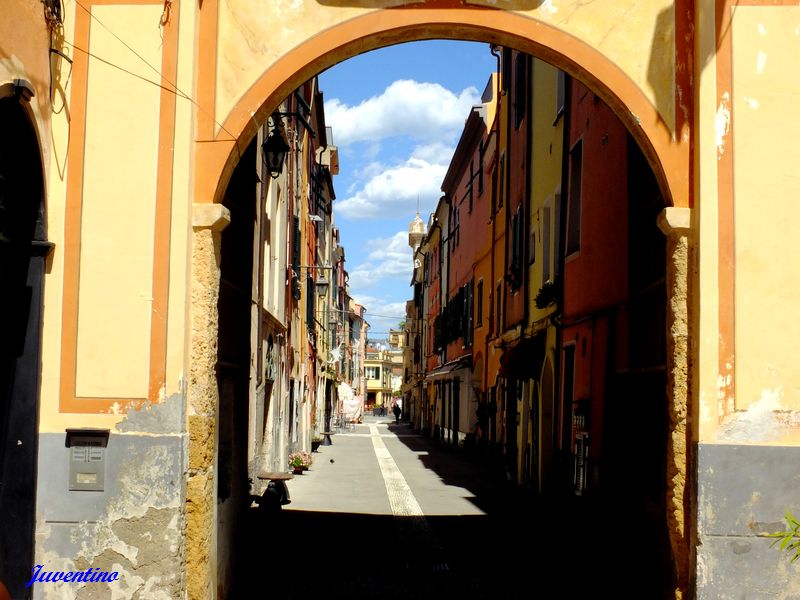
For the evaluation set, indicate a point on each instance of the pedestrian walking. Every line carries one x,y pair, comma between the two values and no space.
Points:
396,410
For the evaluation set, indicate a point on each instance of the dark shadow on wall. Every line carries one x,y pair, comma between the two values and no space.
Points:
233,370
23,252
661,67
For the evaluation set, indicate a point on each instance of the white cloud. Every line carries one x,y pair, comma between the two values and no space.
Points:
370,170
386,258
436,153
393,191
393,313
424,111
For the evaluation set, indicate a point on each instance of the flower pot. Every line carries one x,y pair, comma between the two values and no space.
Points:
315,445
297,470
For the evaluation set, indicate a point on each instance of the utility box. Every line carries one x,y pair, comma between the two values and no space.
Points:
87,459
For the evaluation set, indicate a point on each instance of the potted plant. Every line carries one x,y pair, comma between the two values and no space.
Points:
316,442
300,461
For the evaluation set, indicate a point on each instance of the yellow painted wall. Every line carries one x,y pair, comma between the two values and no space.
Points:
180,235
548,136
766,45
118,207
749,120
705,230
118,204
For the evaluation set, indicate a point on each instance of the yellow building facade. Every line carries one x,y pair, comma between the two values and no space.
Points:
545,196
141,109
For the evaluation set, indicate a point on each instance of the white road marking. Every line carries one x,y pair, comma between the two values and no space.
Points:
413,528
401,498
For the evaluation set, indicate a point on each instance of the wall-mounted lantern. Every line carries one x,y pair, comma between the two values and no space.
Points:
322,287
275,149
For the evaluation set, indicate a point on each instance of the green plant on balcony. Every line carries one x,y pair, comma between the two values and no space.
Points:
548,294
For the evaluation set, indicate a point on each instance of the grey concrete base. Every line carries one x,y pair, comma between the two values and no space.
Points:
744,492
134,526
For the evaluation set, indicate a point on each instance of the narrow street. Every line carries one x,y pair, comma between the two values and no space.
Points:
387,513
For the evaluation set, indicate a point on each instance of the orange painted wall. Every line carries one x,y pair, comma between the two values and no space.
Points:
596,276
473,233
482,269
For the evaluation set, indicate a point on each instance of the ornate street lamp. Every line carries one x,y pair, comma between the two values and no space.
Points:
322,287
275,149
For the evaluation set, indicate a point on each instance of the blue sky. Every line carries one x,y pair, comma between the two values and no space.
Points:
396,114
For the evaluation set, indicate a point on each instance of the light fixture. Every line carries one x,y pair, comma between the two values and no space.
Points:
275,149
315,218
322,287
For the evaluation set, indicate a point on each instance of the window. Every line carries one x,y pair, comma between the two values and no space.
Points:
493,203
310,296
479,304
373,372
469,323
520,89
546,243
296,244
516,248
560,93
532,245
501,188
455,221
567,396
471,180
498,305
480,170
506,66
574,199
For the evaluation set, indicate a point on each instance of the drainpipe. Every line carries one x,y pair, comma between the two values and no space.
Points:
506,203
561,262
489,318
526,207
492,421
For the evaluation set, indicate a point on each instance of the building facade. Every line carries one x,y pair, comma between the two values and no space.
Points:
133,242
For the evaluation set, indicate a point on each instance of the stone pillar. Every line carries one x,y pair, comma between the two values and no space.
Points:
674,222
208,220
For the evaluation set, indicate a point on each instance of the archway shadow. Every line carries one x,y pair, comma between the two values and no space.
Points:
607,527
306,554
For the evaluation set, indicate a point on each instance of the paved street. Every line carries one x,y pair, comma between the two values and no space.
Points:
385,513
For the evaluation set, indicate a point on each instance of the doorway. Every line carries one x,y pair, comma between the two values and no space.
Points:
23,253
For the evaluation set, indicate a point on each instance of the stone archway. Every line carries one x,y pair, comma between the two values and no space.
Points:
662,131
242,102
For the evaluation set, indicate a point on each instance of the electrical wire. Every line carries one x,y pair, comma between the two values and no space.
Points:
175,89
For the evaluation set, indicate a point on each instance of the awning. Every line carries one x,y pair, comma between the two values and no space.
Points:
524,360
447,368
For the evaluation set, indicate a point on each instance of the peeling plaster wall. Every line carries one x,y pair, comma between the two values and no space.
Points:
134,526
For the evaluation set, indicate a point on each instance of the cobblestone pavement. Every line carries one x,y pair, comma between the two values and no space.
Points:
385,513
